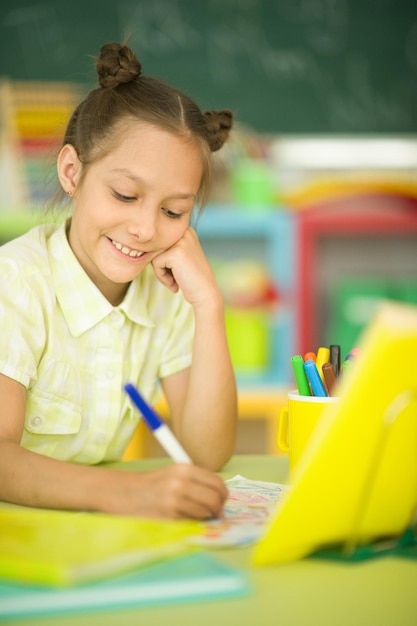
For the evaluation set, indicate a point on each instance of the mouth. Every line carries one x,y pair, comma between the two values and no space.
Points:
126,251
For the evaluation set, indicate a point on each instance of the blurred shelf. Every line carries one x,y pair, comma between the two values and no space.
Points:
265,233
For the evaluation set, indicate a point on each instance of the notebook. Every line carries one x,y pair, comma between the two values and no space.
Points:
64,548
192,577
357,479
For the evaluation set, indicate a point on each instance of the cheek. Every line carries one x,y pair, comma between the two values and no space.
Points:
173,231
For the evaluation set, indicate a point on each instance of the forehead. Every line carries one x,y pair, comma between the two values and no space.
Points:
147,143
150,153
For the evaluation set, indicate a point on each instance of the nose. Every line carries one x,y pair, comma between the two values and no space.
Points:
143,225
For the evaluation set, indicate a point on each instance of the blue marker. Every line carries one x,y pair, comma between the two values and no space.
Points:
314,379
160,430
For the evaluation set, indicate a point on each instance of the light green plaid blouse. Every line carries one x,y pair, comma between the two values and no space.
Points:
74,351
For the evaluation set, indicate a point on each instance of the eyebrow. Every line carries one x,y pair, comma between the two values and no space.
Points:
138,179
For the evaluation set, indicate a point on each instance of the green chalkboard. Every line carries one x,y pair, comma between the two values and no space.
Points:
285,66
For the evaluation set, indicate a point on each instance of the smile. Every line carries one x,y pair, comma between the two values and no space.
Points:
125,250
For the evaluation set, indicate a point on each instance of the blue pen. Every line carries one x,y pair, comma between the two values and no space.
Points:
314,379
160,430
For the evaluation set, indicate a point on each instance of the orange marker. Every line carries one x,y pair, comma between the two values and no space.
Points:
310,356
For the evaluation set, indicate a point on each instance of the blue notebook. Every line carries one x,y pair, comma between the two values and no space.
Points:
194,577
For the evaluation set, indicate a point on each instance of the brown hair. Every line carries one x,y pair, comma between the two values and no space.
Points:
126,94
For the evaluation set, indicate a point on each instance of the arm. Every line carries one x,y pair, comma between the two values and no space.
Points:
202,399
31,479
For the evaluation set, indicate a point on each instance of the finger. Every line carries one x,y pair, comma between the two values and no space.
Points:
195,492
207,500
197,511
186,504
214,482
166,277
199,508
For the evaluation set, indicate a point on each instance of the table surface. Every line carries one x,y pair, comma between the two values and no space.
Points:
311,592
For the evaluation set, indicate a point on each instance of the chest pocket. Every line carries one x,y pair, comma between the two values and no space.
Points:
48,416
53,404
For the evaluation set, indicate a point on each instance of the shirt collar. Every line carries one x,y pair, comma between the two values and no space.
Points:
82,303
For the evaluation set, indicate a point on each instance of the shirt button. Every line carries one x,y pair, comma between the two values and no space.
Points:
36,421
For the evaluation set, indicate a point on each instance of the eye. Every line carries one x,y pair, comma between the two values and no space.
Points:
171,214
123,198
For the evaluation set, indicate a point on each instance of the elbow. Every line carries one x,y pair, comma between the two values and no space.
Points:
214,458
213,465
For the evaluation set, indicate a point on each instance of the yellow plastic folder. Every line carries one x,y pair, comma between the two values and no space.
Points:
357,479
62,548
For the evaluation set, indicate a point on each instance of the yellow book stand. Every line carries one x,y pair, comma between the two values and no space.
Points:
357,480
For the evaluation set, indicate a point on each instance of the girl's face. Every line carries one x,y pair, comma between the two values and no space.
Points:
132,205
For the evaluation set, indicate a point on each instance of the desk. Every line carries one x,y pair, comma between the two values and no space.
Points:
381,592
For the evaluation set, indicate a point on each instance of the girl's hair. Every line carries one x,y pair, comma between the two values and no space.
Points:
125,94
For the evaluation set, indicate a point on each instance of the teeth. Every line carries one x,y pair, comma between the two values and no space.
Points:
125,250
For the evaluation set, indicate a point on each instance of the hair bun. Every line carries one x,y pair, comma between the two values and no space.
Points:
218,125
117,65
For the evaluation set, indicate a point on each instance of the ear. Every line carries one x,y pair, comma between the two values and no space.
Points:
69,168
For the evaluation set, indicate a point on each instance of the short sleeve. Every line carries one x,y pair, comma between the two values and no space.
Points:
22,335
177,351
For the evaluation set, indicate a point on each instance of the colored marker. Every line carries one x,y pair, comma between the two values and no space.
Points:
310,356
323,356
335,358
314,379
303,387
160,430
330,379
346,365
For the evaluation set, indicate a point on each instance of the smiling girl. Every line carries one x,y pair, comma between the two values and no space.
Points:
121,291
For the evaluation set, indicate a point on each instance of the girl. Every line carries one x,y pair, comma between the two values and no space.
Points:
120,292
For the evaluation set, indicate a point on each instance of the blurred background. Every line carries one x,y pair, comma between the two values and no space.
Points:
312,218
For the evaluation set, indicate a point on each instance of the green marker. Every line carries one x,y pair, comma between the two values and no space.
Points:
347,365
303,387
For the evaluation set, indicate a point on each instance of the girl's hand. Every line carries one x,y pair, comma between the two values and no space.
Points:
176,491
184,266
